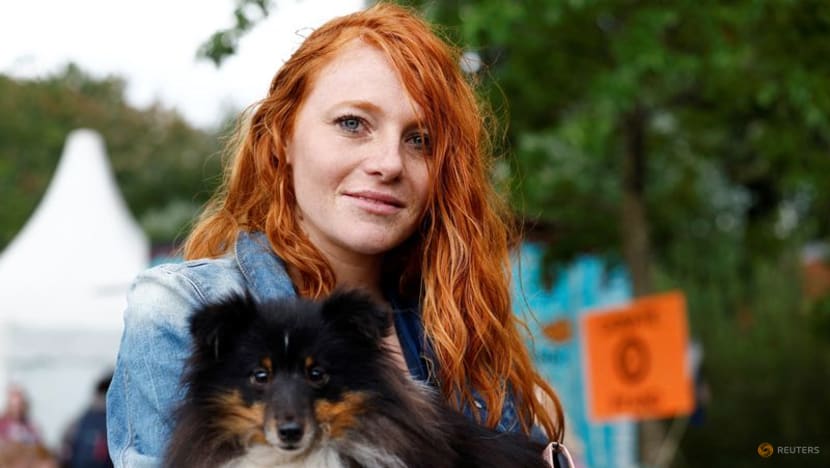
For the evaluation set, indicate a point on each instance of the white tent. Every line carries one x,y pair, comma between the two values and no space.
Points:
63,282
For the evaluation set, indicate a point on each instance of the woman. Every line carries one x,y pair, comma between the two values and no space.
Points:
20,442
366,165
15,426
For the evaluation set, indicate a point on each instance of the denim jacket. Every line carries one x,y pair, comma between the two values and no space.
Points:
146,388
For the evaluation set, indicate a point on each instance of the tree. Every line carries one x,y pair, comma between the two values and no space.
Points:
165,168
223,44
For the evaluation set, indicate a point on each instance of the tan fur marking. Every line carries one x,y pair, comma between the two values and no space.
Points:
337,417
266,363
238,421
309,361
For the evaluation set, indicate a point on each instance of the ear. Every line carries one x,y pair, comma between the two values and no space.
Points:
215,326
355,312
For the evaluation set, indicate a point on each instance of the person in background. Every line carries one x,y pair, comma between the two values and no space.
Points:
21,445
84,444
367,165
15,426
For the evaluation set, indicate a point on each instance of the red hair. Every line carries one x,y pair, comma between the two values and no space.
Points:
458,263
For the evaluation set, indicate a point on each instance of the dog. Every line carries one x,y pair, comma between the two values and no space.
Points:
299,383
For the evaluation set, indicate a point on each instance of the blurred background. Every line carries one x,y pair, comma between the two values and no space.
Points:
648,147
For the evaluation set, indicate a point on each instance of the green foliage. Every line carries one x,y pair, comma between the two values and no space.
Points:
764,363
733,92
158,159
222,44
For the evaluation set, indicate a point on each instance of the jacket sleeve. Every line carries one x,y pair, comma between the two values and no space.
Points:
146,382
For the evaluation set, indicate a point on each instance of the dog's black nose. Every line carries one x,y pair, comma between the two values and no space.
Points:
290,432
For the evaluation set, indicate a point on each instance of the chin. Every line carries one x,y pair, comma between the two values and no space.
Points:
377,241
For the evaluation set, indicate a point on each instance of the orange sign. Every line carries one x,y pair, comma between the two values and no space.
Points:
636,359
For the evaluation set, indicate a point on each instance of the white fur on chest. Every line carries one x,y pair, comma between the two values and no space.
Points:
264,456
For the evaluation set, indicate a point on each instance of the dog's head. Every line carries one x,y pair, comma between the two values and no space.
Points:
286,373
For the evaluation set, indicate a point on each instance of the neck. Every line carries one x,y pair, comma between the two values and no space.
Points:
358,273
352,270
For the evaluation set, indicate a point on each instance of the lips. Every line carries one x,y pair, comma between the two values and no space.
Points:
377,197
376,203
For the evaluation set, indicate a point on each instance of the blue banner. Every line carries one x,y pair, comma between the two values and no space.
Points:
586,284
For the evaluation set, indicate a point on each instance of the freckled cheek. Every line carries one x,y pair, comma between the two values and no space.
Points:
421,188
316,182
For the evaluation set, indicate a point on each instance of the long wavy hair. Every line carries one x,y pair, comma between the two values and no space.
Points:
457,264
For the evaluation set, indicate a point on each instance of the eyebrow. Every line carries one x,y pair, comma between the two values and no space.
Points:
362,105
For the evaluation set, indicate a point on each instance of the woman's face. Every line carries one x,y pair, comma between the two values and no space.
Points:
16,404
357,157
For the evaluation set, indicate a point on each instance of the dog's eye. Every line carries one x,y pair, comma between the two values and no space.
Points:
259,376
317,376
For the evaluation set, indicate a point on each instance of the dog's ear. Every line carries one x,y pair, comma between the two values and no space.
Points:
356,312
215,326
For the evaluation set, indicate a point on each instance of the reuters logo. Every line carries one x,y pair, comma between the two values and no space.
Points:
765,450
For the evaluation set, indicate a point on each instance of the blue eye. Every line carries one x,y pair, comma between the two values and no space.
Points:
350,123
421,141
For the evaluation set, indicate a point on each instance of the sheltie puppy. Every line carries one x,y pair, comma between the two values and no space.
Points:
298,383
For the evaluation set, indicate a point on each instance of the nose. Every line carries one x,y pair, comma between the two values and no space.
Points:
290,432
385,159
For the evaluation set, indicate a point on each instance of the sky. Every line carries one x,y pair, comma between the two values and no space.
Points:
153,43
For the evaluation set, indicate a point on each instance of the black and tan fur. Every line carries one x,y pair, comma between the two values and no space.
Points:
308,384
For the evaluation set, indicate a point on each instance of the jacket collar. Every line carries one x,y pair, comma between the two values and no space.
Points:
264,272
